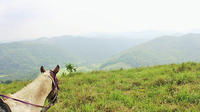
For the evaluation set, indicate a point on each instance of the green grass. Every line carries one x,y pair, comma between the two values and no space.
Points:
3,76
165,88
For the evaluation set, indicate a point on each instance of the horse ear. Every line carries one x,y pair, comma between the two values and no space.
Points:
56,70
42,69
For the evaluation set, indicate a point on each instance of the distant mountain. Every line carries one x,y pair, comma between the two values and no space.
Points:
21,60
94,50
141,34
163,50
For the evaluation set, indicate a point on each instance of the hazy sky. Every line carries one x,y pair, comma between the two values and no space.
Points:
25,19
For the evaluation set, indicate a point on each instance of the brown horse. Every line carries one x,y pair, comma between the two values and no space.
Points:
32,97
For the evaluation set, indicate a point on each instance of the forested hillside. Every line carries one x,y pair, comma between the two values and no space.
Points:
164,88
21,60
162,50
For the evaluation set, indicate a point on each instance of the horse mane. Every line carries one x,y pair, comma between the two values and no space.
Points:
40,79
4,107
36,92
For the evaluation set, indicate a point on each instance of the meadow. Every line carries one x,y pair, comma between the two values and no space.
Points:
163,88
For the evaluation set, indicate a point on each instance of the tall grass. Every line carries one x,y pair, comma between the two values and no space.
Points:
154,89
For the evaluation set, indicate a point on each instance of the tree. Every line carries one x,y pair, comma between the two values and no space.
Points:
8,82
70,68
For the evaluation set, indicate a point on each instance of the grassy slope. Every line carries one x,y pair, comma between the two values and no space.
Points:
159,88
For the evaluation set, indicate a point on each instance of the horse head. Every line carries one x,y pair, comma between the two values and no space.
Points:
52,97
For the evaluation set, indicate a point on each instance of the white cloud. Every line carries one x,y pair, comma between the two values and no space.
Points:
22,19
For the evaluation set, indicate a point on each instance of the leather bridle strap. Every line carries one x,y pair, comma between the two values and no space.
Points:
44,108
49,106
35,105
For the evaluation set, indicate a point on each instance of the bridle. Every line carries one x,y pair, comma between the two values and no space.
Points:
52,100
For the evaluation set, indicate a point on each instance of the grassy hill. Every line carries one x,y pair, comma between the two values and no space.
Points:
154,89
163,50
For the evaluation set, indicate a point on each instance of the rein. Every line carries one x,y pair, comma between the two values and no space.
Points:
21,101
44,108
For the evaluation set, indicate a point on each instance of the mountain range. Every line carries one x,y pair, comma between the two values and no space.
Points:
22,59
162,50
